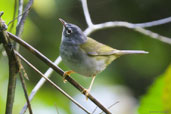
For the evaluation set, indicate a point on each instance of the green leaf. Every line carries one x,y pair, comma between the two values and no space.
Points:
158,98
167,91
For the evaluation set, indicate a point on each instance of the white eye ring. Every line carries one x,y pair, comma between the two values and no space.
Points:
68,31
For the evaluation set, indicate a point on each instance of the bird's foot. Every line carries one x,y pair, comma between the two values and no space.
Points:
67,73
86,92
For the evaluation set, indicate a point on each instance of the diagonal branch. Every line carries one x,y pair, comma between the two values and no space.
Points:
25,92
57,69
41,82
49,81
154,35
111,106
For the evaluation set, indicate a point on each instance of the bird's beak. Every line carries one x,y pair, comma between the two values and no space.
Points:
63,22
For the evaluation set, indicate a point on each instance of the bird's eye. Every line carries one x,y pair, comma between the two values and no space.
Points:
69,31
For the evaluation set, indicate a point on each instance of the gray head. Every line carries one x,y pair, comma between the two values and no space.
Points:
72,34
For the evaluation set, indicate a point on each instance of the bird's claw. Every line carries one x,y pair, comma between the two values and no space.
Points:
64,80
67,73
86,92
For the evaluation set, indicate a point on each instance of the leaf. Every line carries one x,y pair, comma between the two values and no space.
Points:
167,91
158,98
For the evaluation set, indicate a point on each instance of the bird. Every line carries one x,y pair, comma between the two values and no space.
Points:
86,56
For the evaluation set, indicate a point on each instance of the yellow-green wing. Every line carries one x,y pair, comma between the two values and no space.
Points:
92,47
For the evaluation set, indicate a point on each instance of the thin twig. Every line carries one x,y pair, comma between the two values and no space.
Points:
94,110
15,19
57,69
57,111
136,27
25,92
20,11
154,35
154,23
41,82
21,23
49,81
111,106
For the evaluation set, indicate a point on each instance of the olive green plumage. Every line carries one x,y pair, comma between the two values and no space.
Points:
92,47
99,51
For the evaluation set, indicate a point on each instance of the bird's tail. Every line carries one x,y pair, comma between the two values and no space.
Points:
125,52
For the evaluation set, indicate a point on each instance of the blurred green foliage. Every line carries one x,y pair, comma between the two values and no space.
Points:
158,97
152,101
43,31
167,91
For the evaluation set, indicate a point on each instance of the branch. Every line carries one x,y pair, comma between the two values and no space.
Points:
57,69
154,35
13,66
25,92
154,23
49,81
86,13
94,110
56,109
41,82
136,27
21,19
20,11
20,26
113,24
111,106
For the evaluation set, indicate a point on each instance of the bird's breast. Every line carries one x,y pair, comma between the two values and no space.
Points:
70,54
79,61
